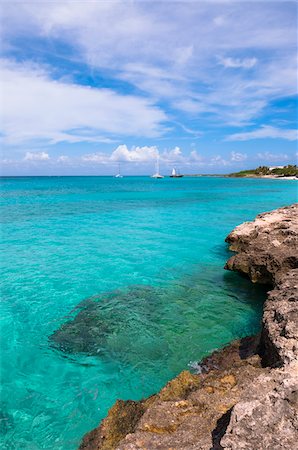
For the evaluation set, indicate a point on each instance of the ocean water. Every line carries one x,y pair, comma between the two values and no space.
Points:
143,259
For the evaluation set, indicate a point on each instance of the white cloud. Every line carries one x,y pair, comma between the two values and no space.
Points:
238,157
135,154
245,63
168,53
265,131
37,107
144,155
122,153
173,155
36,156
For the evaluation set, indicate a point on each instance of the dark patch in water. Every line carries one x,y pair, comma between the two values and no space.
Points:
6,422
145,326
110,324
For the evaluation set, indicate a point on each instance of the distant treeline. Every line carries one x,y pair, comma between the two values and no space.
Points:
286,171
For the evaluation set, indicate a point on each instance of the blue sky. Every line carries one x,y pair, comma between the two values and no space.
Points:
210,87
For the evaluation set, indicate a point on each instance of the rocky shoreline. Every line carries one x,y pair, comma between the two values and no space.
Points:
246,396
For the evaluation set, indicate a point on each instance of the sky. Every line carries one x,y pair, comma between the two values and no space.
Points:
208,87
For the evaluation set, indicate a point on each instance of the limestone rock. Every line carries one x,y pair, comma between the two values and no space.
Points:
267,247
122,419
280,322
266,417
190,412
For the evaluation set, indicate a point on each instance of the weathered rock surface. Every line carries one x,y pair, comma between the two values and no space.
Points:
267,247
268,253
280,322
267,415
246,396
190,412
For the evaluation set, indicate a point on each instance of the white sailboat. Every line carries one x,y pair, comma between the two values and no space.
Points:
157,174
118,175
175,174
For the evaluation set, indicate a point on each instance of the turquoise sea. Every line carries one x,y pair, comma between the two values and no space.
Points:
149,256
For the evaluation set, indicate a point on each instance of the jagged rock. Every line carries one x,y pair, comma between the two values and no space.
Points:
267,247
186,412
266,416
280,322
122,419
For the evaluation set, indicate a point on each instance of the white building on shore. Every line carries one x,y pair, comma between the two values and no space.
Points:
276,167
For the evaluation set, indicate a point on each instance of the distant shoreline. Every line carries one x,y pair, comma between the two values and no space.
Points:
273,177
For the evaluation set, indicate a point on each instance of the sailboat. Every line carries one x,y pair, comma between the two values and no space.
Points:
118,175
157,174
175,174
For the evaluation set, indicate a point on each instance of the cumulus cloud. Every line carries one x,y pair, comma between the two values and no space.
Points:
265,131
36,156
37,107
144,155
122,153
135,154
173,155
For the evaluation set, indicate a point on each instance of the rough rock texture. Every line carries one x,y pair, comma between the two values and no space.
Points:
280,322
190,412
246,396
122,419
267,415
267,247
268,253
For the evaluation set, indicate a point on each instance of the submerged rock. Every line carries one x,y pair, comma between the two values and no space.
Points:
109,324
6,420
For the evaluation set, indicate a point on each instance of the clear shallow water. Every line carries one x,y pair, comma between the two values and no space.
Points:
158,246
